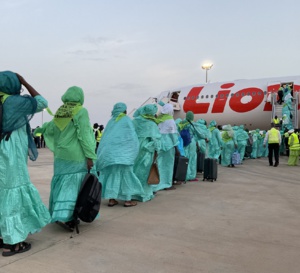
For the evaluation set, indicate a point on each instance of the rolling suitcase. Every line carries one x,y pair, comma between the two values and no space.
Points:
200,161
180,168
210,169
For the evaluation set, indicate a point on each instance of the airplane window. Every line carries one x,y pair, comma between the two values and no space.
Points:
202,97
253,93
259,93
211,96
248,94
184,98
227,95
206,96
237,94
243,94
222,96
265,92
231,94
216,96
192,98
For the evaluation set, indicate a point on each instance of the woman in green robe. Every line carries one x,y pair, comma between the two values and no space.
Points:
190,150
117,151
149,139
21,209
202,128
70,137
229,145
169,142
215,143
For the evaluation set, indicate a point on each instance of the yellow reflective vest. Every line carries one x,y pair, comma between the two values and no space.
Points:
99,135
294,142
273,136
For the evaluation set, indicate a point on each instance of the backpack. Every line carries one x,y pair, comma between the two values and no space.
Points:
186,137
5,136
88,201
1,116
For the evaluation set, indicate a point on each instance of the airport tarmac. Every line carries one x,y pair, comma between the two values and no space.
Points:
245,222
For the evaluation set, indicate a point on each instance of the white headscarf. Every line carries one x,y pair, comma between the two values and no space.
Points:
168,126
168,109
288,96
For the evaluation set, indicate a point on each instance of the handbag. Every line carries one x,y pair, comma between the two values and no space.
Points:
236,158
153,178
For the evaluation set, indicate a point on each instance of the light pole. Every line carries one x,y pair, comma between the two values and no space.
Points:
43,116
206,67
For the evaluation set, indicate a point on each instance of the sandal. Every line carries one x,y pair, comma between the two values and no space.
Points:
70,225
128,204
194,180
112,203
171,188
23,247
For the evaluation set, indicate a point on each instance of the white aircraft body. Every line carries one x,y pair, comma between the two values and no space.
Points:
249,102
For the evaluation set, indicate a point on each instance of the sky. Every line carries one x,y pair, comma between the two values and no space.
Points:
129,50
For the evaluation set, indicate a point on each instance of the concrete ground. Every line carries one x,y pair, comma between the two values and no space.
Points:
246,221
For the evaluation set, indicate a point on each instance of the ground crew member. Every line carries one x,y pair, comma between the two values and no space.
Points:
37,140
276,120
273,138
101,128
294,148
97,134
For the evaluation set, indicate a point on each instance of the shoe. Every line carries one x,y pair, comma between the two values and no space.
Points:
112,203
271,164
23,247
128,204
193,180
276,164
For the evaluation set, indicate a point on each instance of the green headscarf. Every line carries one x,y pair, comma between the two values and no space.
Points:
118,110
189,116
73,100
212,125
9,83
17,109
148,111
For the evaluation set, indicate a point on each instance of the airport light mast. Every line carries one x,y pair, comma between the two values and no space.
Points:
206,67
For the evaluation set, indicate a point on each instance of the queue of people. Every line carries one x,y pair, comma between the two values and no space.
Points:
121,156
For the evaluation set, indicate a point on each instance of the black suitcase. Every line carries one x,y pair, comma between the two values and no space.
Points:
210,169
200,161
248,151
180,168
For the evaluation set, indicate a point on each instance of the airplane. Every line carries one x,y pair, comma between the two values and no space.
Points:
252,103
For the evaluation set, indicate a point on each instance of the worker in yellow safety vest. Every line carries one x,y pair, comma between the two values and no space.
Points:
37,139
101,128
97,134
276,120
294,148
273,137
